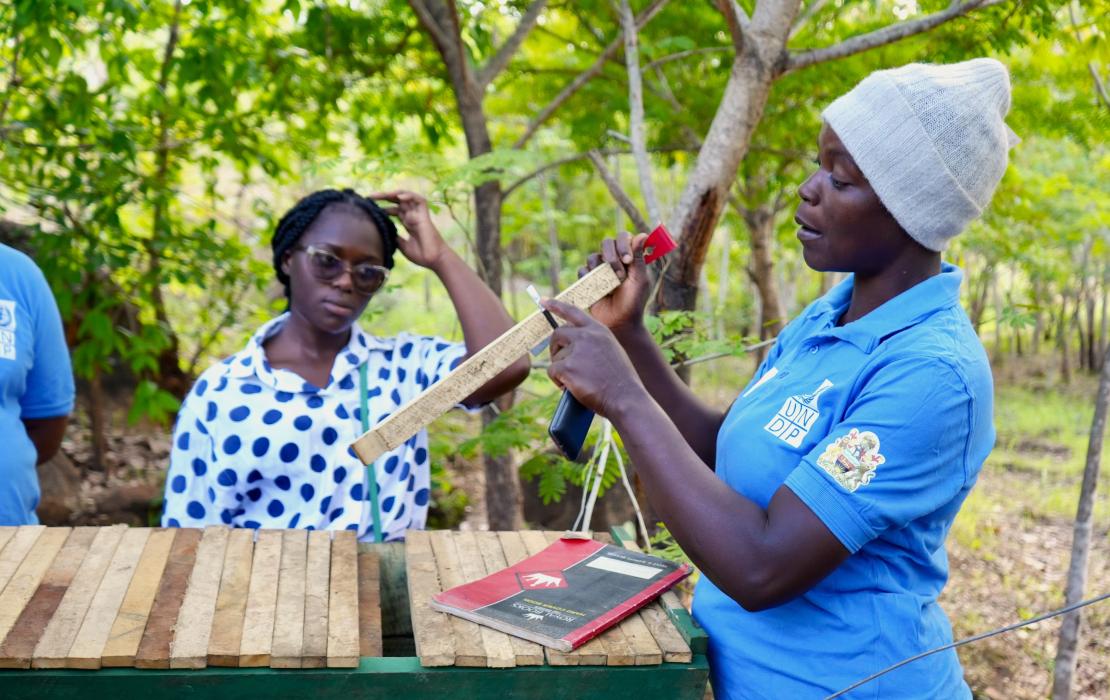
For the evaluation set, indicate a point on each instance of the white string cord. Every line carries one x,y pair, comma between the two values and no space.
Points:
969,640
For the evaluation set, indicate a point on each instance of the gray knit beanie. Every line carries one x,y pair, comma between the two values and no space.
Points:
931,140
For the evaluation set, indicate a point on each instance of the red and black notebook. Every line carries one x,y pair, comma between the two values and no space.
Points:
567,594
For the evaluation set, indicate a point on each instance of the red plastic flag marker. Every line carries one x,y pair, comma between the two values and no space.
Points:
658,244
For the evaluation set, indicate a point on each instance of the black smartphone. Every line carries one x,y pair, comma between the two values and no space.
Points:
570,425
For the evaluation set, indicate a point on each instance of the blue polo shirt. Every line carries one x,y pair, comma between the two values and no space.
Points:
880,427
35,378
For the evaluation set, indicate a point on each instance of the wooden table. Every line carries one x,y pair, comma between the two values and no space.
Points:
191,620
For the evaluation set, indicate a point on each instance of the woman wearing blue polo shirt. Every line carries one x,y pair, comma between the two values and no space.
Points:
834,477
36,383
262,438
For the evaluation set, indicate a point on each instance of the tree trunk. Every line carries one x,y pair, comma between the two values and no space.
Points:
753,71
722,284
772,315
98,422
1062,340
1066,650
1038,317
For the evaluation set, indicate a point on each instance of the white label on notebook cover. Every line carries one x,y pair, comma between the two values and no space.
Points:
623,567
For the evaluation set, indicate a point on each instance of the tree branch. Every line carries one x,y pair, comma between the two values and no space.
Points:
497,63
671,58
800,23
618,192
737,20
575,85
636,111
882,36
1100,86
442,40
582,156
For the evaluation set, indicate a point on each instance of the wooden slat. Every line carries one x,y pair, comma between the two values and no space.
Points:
525,653
88,646
231,603
343,601
6,533
431,629
19,645
130,623
470,650
478,369
318,572
670,640
154,648
26,579
17,547
62,629
289,616
369,605
189,648
499,647
258,621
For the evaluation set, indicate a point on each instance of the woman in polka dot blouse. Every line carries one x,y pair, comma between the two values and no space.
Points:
262,438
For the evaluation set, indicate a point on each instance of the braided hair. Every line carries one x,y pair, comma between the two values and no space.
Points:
297,220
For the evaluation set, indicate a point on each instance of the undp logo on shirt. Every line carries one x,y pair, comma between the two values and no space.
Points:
7,315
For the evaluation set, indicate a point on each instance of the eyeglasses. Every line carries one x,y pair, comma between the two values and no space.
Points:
326,267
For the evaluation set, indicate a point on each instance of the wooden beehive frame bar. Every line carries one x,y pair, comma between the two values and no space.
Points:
478,369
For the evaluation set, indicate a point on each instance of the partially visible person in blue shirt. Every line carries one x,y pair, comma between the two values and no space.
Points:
36,384
262,439
818,505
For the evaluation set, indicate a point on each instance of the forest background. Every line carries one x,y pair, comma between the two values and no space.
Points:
148,149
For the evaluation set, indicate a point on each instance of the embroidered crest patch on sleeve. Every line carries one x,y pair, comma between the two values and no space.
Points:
852,459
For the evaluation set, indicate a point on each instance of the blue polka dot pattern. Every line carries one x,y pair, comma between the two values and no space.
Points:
391,464
276,447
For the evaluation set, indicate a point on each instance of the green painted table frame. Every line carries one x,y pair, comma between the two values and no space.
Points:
397,675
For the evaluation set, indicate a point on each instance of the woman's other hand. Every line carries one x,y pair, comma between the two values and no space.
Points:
424,245
587,359
624,307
